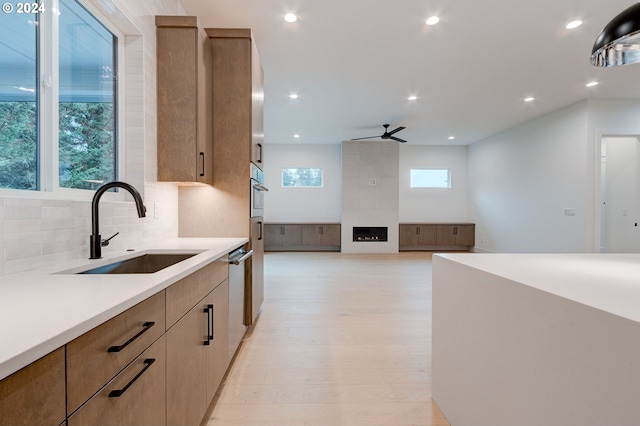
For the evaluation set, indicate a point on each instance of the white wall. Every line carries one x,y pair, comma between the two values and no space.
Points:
302,204
522,180
434,205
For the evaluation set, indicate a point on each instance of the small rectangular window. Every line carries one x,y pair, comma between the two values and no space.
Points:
430,178
301,177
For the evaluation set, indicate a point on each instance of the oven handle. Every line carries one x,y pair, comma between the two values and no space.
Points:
260,187
241,259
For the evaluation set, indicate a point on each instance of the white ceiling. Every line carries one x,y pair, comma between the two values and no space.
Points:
355,62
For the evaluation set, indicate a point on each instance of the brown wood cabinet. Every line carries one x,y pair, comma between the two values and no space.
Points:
98,355
197,341
35,395
136,396
302,236
185,143
436,236
254,282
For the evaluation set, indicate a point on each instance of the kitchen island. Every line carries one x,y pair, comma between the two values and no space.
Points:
44,309
535,339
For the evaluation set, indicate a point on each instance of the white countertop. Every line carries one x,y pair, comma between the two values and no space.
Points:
43,309
609,282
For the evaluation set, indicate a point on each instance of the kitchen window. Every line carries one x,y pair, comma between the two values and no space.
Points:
430,178
301,177
58,99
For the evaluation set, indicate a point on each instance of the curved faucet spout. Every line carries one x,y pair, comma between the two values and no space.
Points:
95,240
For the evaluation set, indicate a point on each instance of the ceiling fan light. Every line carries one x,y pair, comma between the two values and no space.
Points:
573,24
619,41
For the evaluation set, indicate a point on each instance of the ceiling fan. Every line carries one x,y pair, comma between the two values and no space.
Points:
386,135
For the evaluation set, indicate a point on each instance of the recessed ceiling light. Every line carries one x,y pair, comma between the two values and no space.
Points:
412,97
592,83
573,24
529,99
297,136
293,96
433,20
451,138
290,17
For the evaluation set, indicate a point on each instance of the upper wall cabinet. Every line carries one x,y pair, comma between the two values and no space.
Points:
238,95
185,143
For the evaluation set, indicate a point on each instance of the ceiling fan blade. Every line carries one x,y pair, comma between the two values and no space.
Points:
398,139
396,130
368,137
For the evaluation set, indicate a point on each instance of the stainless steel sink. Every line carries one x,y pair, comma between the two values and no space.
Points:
144,264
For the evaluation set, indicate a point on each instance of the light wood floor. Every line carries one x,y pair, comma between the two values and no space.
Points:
342,340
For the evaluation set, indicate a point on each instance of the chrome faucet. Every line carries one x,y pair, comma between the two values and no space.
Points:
95,241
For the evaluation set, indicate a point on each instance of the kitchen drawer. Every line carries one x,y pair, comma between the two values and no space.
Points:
98,355
141,399
184,294
35,394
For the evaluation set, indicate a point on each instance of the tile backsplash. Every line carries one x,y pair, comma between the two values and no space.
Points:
39,232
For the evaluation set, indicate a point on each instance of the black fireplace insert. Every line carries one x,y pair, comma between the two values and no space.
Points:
369,233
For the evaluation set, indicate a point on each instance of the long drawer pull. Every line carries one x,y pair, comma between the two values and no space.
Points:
118,392
209,311
146,326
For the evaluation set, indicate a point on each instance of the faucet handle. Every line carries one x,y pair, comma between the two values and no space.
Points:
105,243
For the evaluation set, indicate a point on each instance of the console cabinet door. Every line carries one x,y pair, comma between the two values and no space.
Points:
427,235
408,235
35,395
136,396
465,235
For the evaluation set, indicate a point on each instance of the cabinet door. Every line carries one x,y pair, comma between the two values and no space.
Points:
257,107
218,348
186,368
331,235
408,235
465,235
291,235
273,235
136,396
35,395
254,289
312,235
445,235
427,235
185,144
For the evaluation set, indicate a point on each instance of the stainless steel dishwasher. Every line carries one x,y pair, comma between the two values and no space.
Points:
237,275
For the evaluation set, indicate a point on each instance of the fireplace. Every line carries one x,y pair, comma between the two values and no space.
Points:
369,234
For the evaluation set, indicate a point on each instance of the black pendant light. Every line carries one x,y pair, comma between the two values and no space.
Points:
619,41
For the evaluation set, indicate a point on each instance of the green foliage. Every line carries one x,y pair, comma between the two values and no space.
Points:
18,147
86,145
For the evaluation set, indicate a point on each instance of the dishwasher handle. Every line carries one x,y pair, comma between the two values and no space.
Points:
241,259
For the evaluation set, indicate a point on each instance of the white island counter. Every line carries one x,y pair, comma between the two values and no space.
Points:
537,339
43,309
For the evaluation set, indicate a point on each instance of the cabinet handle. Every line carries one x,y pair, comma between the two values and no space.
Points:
146,326
455,230
321,230
260,234
282,230
202,157
118,392
209,311
418,230
260,153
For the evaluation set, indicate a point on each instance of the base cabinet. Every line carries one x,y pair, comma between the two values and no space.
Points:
35,395
302,236
436,236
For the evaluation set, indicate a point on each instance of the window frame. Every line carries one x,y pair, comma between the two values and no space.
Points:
47,42
448,180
